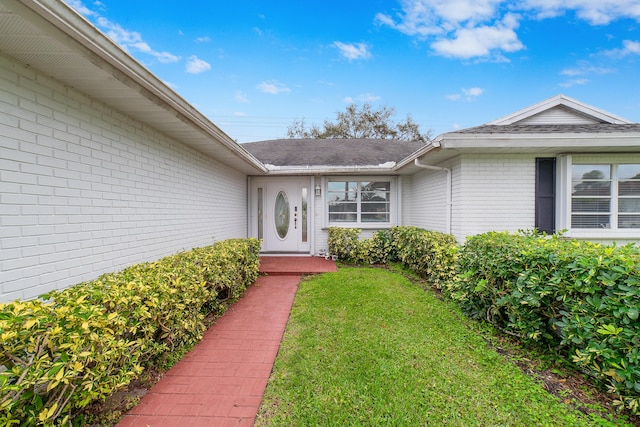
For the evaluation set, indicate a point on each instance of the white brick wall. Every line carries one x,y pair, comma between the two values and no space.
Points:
86,190
493,193
425,199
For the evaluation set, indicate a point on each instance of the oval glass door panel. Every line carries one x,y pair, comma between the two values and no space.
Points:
281,214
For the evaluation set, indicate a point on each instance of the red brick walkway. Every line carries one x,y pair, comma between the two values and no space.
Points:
221,381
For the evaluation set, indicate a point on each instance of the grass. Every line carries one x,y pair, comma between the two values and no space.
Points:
366,347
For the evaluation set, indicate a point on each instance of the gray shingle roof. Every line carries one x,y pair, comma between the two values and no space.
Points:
331,152
550,128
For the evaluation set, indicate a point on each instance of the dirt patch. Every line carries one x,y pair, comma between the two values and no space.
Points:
108,412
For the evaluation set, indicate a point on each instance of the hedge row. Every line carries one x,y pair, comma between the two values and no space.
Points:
581,297
69,348
430,254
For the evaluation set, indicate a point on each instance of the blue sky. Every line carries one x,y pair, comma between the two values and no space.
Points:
253,67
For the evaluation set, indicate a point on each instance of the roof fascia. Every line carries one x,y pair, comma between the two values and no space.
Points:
541,140
434,144
554,102
327,170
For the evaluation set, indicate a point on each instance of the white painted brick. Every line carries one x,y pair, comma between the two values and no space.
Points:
10,159
109,191
11,135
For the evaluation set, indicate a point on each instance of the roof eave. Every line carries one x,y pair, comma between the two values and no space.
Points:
554,101
102,53
330,170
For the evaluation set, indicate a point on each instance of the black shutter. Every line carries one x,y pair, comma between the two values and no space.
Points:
546,194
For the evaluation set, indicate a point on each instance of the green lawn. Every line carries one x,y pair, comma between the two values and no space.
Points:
365,346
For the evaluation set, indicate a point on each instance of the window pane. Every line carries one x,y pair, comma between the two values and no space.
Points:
343,211
365,201
305,226
378,217
340,217
591,188
260,216
629,188
629,177
582,172
629,221
629,172
281,214
590,205
590,221
629,205
342,190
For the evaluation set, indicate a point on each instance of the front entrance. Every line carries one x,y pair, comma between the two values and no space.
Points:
280,214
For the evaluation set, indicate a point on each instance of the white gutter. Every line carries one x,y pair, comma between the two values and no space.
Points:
449,188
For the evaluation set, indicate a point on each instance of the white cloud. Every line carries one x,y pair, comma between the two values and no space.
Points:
473,92
595,12
127,39
81,8
205,39
585,68
481,41
425,18
196,65
466,94
241,97
362,98
273,87
353,51
629,47
487,28
574,82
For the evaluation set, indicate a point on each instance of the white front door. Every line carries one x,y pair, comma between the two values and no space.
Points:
282,220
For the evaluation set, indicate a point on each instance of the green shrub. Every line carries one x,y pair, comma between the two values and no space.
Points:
344,243
430,254
581,297
72,347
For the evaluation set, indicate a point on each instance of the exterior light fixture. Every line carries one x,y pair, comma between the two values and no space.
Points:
318,190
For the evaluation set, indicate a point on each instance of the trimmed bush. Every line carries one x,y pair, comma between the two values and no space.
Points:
430,254
344,243
581,297
69,348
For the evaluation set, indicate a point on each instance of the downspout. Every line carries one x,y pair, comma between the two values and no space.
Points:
449,188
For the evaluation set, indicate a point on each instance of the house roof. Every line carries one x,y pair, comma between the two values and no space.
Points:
53,39
304,154
559,109
598,128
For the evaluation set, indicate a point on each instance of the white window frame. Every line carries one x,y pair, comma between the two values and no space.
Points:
393,202
563,214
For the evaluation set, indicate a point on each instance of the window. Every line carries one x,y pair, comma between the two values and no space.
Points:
605,196
359,202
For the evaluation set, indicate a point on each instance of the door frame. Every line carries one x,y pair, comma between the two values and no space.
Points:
271,185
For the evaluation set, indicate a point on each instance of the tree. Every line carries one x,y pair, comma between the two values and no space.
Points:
363,122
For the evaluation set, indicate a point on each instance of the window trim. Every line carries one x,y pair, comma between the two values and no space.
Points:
563,214
393,202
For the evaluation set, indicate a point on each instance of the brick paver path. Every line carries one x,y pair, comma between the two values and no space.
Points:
221,382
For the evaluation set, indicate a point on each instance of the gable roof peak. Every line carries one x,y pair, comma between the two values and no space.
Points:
549,109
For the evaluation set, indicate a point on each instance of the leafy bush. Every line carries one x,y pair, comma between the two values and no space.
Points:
344,243
581,297
430,254
63,351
